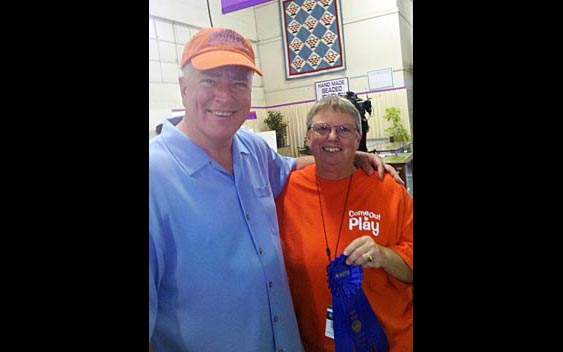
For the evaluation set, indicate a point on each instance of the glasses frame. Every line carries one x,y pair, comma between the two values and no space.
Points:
341,130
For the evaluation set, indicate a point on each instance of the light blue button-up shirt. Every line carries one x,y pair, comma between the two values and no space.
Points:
217,280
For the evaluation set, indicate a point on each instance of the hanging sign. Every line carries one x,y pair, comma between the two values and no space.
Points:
338,86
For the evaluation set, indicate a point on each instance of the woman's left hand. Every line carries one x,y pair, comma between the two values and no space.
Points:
365,252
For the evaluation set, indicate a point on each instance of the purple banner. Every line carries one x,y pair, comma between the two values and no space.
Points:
233,5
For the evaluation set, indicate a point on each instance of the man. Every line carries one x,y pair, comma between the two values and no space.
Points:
217,280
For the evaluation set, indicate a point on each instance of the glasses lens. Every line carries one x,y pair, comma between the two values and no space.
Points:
321,129
344,130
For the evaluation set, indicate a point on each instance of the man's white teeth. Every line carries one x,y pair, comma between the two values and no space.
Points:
331,149
222,113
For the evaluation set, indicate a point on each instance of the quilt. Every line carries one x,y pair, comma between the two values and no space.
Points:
312,36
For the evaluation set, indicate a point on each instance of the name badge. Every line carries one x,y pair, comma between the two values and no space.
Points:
329,332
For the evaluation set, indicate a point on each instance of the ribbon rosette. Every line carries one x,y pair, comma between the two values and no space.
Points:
356,328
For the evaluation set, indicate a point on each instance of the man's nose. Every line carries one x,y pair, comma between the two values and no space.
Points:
223,90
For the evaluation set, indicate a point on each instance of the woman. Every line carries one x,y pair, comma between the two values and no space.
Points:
331,208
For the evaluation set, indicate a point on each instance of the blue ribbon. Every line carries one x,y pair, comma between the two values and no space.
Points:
356,328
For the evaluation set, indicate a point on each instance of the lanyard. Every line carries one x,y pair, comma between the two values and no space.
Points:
341,219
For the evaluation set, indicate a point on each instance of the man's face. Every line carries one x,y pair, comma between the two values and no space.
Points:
217,101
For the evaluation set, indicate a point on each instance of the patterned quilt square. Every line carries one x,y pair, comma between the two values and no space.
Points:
312,36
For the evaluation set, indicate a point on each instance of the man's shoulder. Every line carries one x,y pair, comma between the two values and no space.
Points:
160,160
155,148
249,137
253,143
246,133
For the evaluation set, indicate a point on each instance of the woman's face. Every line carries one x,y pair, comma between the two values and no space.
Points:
333,138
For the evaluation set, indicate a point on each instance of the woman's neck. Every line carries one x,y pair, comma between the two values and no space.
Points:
336,173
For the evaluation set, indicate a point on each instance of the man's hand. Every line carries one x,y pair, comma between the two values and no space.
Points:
370,161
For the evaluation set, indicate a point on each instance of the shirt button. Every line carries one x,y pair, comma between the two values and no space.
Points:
247,217
260,250
270,283
275,318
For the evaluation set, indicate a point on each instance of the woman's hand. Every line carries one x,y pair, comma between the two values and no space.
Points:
365,252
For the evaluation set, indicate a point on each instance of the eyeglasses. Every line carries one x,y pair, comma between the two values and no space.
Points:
323,129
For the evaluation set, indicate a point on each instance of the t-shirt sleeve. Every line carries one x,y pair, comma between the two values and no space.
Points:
404,246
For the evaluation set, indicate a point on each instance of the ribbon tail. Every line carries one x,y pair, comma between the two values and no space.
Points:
373,331
356,327
343,341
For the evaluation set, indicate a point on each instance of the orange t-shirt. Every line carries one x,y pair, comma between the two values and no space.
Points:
380,208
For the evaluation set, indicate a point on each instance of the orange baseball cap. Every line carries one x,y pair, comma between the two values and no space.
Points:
215,47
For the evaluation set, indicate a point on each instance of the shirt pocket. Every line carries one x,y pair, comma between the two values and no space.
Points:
266,200
263,191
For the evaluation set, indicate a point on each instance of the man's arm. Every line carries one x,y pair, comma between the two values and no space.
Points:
367,161
303,161
370,161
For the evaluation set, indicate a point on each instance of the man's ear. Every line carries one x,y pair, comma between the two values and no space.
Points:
183,86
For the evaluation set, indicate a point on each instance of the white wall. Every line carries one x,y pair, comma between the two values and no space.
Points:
406,24
377,34
171,24
371,41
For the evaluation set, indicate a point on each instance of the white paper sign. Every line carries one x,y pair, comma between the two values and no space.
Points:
381,78
338,86
270,137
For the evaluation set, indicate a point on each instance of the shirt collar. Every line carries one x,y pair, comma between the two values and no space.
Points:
190,155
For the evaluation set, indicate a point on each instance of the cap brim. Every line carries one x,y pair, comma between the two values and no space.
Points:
218,58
